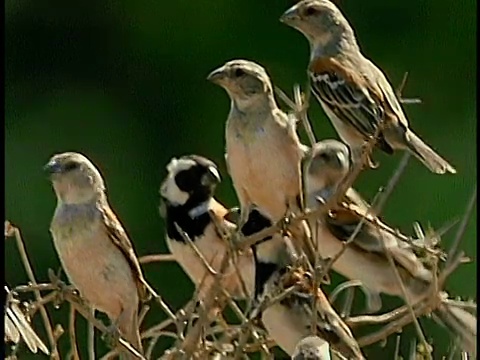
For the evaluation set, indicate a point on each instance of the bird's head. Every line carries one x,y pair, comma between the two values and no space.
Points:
246,82
321,22
330,164
190,179
74,178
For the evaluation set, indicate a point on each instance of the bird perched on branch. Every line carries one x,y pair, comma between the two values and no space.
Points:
365,258
187,201
92,245
290,319
263,151
353,92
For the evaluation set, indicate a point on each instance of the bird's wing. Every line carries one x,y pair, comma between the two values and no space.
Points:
350,94
119,237
391,103
374,235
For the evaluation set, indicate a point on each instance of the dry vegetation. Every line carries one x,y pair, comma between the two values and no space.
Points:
197,337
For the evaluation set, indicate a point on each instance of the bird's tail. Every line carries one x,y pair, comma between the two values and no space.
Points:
427,155
462,323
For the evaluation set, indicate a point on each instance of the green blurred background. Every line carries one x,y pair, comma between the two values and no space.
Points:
124,83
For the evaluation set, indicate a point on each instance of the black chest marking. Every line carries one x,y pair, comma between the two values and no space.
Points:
263,272
193,227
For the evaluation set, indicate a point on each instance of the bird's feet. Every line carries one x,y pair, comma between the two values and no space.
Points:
112,335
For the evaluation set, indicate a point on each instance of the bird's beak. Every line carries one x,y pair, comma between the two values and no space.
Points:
217,76
53,167
212,177
290,16
215,174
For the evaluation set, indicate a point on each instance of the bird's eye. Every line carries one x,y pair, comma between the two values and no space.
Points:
325,157
310,11
71,165
239,72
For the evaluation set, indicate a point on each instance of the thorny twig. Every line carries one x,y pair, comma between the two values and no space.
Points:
11,230
72,334
462,227
91,337
156,258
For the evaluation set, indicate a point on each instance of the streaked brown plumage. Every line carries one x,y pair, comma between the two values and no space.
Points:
365,258
353,92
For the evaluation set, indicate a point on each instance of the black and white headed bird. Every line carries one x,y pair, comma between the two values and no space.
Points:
188,201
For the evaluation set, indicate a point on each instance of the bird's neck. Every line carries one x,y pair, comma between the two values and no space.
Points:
200,209
343,45
248,106
192,218
78,197
73,220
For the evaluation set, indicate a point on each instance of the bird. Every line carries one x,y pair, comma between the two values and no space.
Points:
312,348
187,200
365,258
353,92
290,319
18,327
263,150
92,245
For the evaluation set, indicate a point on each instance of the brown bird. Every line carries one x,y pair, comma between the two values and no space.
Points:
187,201
353,92
263,151
92,245
365,258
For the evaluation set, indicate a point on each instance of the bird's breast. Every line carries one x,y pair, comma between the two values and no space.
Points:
93,263
285,325
267,168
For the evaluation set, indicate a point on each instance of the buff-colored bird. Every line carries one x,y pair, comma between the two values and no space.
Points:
93,248
354,92
365,258
263,151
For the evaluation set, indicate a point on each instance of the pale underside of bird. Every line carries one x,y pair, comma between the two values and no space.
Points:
263,151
